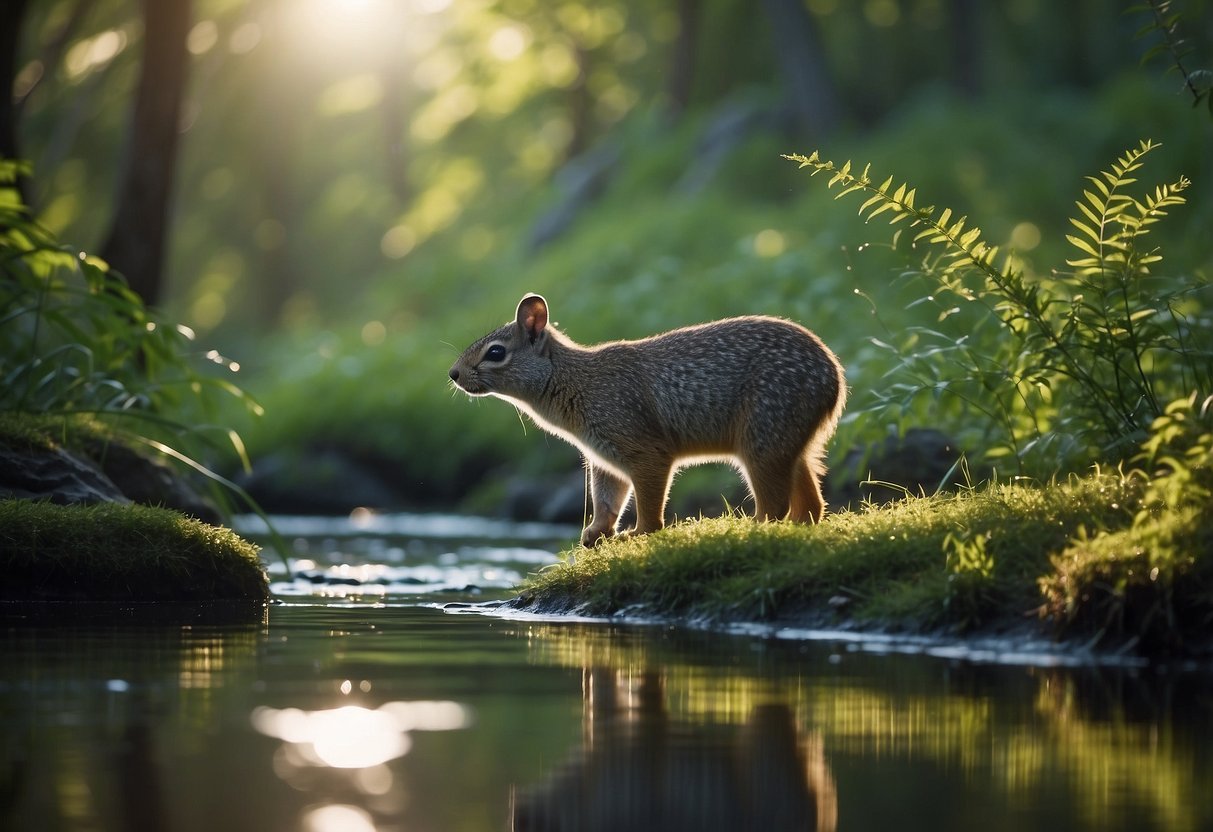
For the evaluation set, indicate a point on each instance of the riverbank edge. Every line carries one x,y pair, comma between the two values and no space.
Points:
87,518
116,553
1076,564
77,537
1022,640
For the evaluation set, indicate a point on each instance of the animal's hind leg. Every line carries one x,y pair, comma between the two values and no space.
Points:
807,503
771,482
652,483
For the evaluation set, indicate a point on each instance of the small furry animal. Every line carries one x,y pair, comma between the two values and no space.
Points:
762,392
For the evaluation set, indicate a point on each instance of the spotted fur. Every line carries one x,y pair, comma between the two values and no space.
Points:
762,392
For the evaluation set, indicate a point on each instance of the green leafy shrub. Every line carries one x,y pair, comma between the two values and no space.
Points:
1065,369
1151,581
76,342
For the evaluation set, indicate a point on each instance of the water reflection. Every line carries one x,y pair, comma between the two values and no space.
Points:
91,701
1099,743
355,737
341,718
639,768
337,818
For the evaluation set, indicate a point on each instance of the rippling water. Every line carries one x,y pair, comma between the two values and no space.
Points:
360,702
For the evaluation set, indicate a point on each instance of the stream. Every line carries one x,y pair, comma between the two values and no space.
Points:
385,691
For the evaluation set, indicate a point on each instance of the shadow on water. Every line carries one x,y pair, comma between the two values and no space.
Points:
353,709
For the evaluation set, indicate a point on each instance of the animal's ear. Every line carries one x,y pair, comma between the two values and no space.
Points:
533,316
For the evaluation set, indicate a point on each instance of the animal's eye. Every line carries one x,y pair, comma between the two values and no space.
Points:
495,353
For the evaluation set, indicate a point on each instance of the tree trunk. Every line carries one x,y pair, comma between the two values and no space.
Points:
581,104
965,31
12,14
682,62
139,231
395,136
797,44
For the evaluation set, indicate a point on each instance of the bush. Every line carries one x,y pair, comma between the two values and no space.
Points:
1065,369
76,341
82,358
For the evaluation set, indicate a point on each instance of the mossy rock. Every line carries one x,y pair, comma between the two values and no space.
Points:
122,554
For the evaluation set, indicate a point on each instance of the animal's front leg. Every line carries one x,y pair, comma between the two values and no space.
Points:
609,493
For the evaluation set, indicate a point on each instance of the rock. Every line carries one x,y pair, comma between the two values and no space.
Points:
558,498
151,482
316,482
54,474
917,462
100,472
882,472
562,498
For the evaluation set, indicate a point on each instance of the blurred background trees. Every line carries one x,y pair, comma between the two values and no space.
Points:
330,190
391,122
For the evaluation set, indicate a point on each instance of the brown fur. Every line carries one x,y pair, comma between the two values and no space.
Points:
763,392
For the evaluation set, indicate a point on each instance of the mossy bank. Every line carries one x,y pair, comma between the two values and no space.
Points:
122,553
68,532
1084,560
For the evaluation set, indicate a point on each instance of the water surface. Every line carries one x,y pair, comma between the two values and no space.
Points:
360,703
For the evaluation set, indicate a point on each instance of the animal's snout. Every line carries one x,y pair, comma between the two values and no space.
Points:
454,374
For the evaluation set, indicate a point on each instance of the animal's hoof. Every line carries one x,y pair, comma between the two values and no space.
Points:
591,537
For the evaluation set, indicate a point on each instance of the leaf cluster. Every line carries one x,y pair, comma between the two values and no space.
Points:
1065,369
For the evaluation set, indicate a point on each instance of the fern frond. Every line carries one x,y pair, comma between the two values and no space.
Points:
963,245
1085,351
1114,221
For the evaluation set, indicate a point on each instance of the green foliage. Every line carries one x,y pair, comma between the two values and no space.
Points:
1153,580
75,339
78,345
1069,368
1178,457
647,257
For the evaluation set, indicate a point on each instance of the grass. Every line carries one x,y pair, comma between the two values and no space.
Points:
1149,585
997,557
120,553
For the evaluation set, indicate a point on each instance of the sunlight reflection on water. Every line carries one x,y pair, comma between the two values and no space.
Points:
396,557
377,579
429,526
355,737
337,818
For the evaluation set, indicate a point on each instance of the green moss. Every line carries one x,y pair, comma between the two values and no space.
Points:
117,553
31,431
1151,583
957,562
46,431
